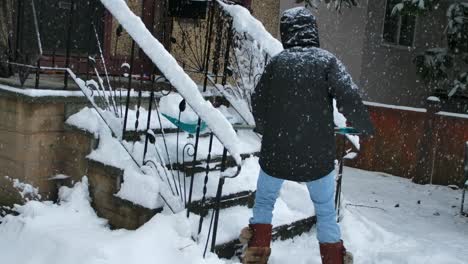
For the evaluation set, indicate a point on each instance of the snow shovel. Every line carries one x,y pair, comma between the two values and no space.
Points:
344,131
189,128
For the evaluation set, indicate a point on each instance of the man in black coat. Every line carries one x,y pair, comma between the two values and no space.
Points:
293,110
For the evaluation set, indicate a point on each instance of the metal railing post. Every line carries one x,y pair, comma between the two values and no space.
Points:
465,181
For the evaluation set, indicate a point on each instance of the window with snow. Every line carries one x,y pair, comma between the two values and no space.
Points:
398,29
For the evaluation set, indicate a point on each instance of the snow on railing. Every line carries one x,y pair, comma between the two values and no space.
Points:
187,88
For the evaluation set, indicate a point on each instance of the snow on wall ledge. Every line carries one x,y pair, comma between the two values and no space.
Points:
175,74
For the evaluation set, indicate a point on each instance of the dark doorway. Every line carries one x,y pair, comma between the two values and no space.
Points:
63,21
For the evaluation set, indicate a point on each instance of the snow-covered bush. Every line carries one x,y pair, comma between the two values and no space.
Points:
434,64
460,83
446,68
414,7
457,28
336,3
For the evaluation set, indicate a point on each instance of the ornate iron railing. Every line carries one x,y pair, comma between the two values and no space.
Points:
159,130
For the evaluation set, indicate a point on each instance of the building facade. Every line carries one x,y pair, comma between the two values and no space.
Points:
379,48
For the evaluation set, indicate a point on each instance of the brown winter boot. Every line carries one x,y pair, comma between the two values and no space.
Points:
335,253
258,238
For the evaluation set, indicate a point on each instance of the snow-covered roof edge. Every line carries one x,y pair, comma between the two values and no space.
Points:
175,74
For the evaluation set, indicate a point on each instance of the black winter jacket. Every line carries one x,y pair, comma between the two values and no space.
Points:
293,103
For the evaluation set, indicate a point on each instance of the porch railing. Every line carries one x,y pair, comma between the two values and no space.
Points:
144,96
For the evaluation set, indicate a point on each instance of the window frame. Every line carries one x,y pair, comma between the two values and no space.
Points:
398,45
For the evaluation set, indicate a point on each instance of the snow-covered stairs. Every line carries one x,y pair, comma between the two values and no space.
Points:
238,194
231,248
291,218
106,169
126,194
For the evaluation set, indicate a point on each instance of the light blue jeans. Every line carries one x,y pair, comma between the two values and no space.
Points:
321,193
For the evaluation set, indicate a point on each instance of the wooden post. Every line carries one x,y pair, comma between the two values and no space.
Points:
465,181
427,145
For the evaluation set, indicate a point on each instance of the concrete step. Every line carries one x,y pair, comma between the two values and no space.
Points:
215,165
137,135
287,231
185,165
105,182
288,222
293,215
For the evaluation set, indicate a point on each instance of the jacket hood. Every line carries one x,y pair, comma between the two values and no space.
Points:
298,27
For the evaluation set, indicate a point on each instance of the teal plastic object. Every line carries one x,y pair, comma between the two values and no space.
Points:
346,131
189,128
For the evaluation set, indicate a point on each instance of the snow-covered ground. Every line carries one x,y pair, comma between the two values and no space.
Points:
387,219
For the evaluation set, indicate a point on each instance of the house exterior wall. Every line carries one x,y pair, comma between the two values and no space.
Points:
342,33
267,11
286,4
388,74
385,73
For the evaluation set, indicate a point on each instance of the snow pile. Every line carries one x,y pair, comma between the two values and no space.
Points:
71,233
175,74
86,119
169,105
138,187
27,191
141,189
